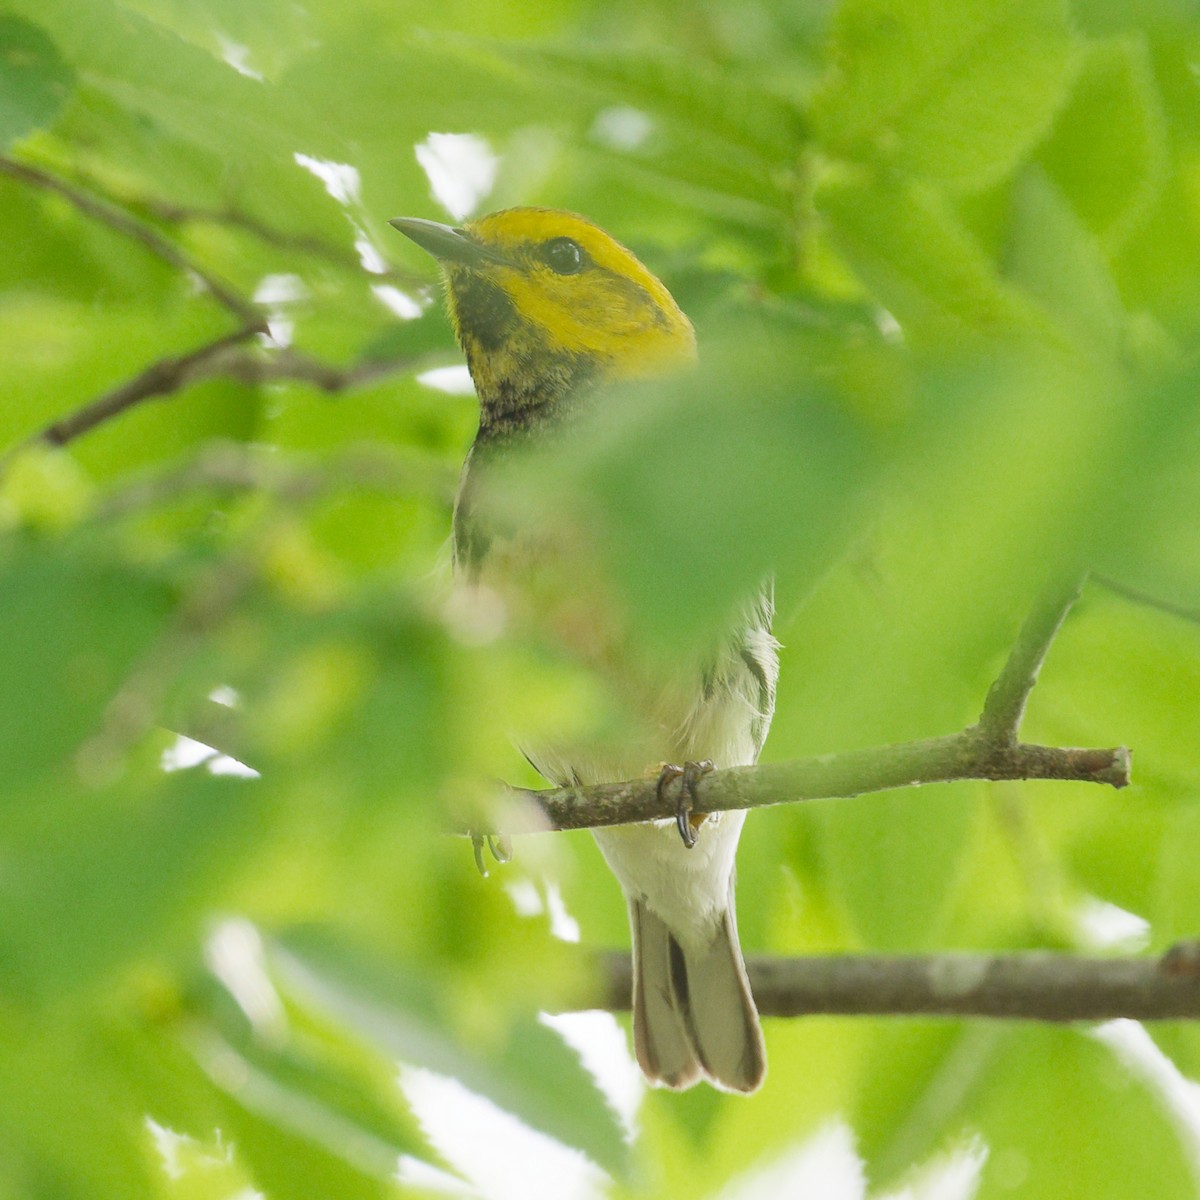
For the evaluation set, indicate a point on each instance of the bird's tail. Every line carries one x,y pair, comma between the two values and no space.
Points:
693,1013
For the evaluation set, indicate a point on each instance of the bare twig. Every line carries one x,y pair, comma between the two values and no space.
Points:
989,749
234,466
160,379
218,358
246,312
289,364
1147,600
958,756
1038,986
1008,695
179,214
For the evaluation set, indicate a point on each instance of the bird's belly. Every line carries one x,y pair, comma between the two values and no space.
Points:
688,889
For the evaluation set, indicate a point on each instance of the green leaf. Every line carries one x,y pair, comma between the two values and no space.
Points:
70,1126
921,263
532,1075
75,627
1108,150
894,861
35,82
1059,262
102,877
685,90
1090,1127
958,93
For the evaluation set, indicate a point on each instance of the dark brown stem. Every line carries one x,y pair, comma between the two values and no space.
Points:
246,312
162,378
1036,986
216,358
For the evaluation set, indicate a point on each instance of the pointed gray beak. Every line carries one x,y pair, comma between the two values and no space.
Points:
445,243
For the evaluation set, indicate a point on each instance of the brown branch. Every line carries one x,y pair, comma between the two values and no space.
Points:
1035,986
160,379
218,358
958,756
246,312
987,750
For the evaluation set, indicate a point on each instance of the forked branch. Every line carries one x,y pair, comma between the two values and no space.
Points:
990,749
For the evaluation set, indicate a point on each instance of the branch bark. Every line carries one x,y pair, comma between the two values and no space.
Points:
1035,986
965,755
160,379
989,749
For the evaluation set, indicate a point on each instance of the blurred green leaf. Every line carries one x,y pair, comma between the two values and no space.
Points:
1108,148
75,628
35,82
921,263
957,94
894,860
93,884
533,1075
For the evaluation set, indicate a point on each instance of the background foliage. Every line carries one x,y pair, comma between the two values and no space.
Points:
945,265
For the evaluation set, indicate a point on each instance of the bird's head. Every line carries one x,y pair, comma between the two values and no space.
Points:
545,303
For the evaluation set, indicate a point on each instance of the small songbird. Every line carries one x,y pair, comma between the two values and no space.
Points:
548,309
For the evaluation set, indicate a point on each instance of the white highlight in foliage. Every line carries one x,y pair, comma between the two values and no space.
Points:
501,1156
955,1176
622,127
238,57
525,898
1104,926
369,256
186,752
1130,1042
275,293
826,1166
344,183
425,1177
461,169
528,900
562,925
600,1042
341,180
399,303
454,381
234,953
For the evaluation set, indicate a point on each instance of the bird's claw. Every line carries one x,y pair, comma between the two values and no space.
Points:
687,820
500,846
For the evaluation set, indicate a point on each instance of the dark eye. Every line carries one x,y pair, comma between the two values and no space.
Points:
563,256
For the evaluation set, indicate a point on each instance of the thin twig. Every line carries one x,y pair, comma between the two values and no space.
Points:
1008,695
987,750
1035,986
160,379
234,466
246,312
1147,600
179,214
218,358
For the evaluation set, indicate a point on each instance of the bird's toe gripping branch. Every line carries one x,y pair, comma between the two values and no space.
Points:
687,819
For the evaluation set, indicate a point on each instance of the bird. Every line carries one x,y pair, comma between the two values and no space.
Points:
549,311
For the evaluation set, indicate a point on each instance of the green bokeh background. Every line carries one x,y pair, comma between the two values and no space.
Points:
944,262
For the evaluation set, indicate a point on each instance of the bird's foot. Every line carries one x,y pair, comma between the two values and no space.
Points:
500,846
687,819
